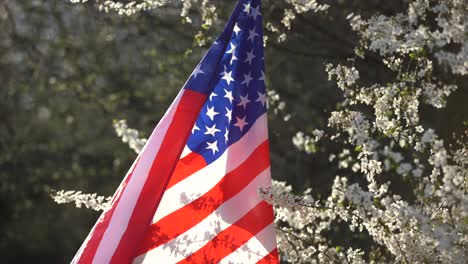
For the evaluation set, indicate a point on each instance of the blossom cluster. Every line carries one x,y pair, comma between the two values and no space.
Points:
209,12
392,143
91,201
307,143
276,105
129,135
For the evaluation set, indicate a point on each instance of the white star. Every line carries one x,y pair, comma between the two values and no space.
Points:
224,72
195,128
252,34
228,114
237,29
241,123
247,8
244,101
210,112
261,98
211,130
213,146
250,57
228,95
197,71
226,134
247,79
262,78
212,95
233,58
232,50
255,12
228,77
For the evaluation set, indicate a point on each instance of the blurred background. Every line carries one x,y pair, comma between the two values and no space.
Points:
68,70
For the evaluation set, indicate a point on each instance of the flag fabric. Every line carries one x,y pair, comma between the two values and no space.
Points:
192,194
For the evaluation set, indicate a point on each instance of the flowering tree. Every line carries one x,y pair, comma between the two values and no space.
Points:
375,137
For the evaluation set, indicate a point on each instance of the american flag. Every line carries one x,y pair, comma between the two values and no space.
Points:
192,195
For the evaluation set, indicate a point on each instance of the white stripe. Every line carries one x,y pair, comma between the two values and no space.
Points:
228,213
83,246
191,188
255,249
123,210
185,152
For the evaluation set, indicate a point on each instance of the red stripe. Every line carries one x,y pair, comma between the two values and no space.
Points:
188,216
163,165
271,258
234,236
89,251
187,166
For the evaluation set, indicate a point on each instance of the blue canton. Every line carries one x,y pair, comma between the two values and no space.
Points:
232,73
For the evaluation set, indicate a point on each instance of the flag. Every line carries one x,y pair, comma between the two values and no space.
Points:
192,194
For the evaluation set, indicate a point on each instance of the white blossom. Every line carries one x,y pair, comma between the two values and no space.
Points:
129,135
90,201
